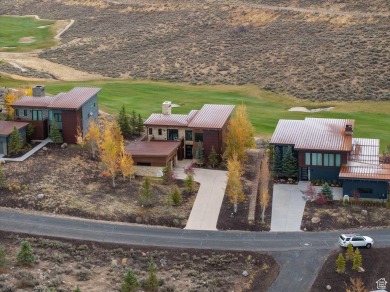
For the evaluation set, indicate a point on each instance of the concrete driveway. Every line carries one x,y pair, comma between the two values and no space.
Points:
287,207
207,205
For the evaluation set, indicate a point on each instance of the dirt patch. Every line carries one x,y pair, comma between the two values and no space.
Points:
73,184
27,40
375,263
64,264
337,216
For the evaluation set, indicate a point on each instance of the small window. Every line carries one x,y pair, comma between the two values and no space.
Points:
331,159
159,132
17,112
198,137
37,115
25,113
150,131
307,159
188,135
326,159
314,159
365,190
338,159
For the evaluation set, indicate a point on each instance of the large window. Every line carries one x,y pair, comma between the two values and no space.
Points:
37,115
338,159
57,117
173,134
188,135
307,158
320,159
316,159
198,137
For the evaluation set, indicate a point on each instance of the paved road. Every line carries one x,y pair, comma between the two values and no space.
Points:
300,254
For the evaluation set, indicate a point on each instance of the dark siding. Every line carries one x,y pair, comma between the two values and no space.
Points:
328,174
211,138
378,187
40,129
71,121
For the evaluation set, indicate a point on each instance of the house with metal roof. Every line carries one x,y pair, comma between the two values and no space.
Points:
6,128
326,150
71,110
205,128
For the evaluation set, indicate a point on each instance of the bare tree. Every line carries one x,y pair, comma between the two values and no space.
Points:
264,183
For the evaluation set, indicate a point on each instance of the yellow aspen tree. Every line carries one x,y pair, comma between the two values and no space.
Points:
234,189
92,137
246,126
264,183
28,91
111,147
127,165
9,99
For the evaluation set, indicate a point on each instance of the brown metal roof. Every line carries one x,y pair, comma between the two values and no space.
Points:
6,127
365,150
374,172
74,99
314,134
152,148
211,116
167,120
34,101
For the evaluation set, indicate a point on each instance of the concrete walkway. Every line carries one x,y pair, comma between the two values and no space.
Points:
207,205
287,207
29,153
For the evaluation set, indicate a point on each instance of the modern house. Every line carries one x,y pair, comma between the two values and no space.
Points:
6,128
326,150
199,129
71,110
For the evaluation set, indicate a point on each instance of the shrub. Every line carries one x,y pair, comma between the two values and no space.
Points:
151,283
327,192
25,255
189,183
25,279
176,197
340,264
356,195
130,282
84,274
168,175
146,197
350,253
3,258
357,260
321,199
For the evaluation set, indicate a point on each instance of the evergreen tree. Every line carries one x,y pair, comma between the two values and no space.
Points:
189,183
25,255
3,258
146,198
213,157
278,162
176,197
130,282
15,142
357,260
151,283
55,134
133,121
340,264
350,253
199,156
3,178
290,165
168,175
30,130
140,125
327,191
123,121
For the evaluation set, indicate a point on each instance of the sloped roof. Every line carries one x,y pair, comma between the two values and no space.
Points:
152,148
210,116
73,99
6,127
374,172
314,134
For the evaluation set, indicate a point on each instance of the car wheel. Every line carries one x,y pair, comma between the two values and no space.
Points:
368,245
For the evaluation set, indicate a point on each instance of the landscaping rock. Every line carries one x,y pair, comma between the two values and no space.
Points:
63,146
245,273
124,262
114,263
40,196
315,219
361,270
328,287
364,212
44,148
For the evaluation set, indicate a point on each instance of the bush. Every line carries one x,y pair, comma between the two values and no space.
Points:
130,282
25,255
3,258
327,192
146,197
176,197
84,275
189,183
26,279
321,200
151,283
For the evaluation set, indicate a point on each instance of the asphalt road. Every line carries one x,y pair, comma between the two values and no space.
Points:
300,254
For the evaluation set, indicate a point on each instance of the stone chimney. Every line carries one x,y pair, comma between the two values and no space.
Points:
348,130
38,90
166,108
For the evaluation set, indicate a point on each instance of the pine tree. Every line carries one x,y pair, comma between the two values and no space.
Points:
213,157
146,196
277,166
124,123
199,156
350,253
130,282
133,121
3,258
176,197
140,125
151,283
168,175
340,264
357,260
30,130
327,191
16,141
189,183
25,255
3,178
290,165
55,134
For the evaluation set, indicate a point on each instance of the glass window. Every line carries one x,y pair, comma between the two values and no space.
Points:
25,113
150,131
17,112
37,115
198,137
331,159
314,159
188,135
160,132
307,159
338,159
365,190
319,158
58,117
173,134
326,159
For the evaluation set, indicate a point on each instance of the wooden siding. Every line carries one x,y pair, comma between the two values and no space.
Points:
212,138
71,121
40,129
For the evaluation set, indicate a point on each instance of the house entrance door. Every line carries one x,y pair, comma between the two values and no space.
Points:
188,152
304,173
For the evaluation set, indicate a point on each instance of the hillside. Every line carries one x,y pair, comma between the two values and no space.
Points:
321,50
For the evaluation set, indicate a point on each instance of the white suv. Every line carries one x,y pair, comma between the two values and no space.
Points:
356,240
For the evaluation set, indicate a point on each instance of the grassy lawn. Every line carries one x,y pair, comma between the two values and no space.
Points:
264,108
14,29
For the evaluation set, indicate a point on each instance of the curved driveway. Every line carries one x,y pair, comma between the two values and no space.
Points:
300,254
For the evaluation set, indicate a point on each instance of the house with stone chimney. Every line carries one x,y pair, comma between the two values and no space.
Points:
172,137
71,110
326,150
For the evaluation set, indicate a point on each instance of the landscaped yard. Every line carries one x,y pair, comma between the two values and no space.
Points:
72,183
64,265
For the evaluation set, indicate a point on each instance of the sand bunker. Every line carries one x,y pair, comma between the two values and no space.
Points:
27,40
306,110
